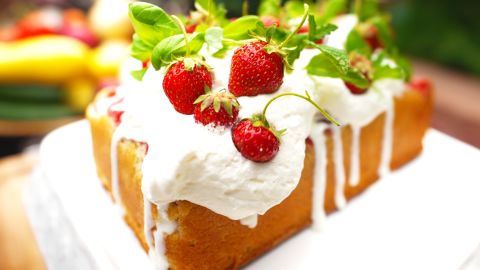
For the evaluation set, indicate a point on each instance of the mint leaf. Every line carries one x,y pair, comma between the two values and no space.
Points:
140,50
151,23
366,9
312,28
356,43
172,48
269,8
405,65
138,74
334,63
213,38
383,72
240,29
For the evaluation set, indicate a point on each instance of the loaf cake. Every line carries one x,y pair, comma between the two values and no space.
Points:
205,175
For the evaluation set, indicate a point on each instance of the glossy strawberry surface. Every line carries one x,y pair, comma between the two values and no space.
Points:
256,143
254,71
183,86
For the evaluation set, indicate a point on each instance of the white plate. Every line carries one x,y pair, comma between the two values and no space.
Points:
424,216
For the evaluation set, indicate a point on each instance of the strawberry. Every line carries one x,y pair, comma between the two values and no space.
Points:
355,89
257,67
254,71
269,20
217,109
255,142
364,66
370,34
183,84
421,85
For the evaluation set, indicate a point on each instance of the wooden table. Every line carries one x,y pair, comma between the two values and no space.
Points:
18,249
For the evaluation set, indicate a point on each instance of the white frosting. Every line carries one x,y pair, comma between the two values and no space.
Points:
320,175
354,177
187,161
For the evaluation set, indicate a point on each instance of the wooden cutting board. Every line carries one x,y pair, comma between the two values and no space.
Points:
18,249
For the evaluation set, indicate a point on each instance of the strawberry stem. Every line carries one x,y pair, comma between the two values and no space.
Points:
304,18
185,35
307,98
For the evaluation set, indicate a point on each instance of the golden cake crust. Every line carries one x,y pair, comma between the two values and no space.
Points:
206,240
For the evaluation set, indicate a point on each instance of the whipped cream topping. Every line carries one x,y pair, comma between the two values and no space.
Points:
187,161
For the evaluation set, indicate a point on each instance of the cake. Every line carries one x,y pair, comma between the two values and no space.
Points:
208,178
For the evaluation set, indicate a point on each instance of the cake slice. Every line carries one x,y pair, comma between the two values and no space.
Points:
192,196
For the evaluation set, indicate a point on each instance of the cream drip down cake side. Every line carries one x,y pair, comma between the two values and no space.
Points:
236,134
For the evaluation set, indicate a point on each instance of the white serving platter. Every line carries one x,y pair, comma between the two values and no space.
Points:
424,216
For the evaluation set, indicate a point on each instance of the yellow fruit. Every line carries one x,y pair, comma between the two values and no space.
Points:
105,60
109,19
42,59
79,93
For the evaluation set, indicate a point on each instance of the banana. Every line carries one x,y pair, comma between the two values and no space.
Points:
45,59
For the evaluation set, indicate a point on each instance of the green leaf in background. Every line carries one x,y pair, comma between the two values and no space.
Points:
151,23
366,9
356,43
330,9
213,38
269,8
140,50
172,48
216,13
294,8
241,28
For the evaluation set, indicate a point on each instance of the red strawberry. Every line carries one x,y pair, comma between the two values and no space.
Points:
364,66
421,85
370,34
183,85
218,109
255,71
355,89
255,142
269,20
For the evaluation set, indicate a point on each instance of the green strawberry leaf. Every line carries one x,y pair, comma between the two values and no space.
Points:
172,48
138,74
356,43
151,23
270,7
241,28
140,50
366,9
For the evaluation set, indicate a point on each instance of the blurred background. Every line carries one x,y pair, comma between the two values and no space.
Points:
55,54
